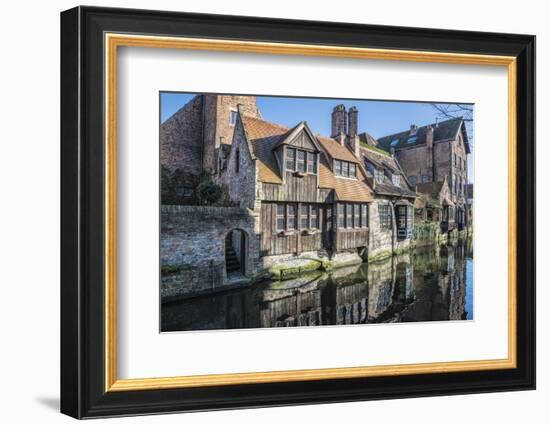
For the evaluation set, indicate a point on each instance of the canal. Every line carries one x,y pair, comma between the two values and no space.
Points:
427,284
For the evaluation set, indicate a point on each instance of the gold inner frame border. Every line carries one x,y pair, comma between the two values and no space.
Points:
113,40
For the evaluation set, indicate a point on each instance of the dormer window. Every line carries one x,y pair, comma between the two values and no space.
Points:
232,117
396,179
379,175
301,161
345,168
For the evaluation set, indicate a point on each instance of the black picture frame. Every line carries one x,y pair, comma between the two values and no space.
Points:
83,392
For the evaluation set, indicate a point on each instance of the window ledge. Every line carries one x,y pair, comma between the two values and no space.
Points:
351,229
286,233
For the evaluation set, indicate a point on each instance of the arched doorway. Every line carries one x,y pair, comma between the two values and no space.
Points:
236,251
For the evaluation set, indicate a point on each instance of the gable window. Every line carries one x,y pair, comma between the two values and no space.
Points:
291,159
412,180
364,216
341,216
237,161
312,163
280,217
232,118
301,161
385,217
379,175
425,178
396,180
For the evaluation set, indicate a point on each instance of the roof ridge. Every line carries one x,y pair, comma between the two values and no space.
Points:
434,124
283,127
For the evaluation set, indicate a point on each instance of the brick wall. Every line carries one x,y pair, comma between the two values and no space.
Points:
217,126
181,139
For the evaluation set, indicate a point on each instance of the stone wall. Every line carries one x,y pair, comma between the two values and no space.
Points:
384,243
380,240
192,247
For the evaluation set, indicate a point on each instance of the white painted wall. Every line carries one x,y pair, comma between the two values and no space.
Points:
29,232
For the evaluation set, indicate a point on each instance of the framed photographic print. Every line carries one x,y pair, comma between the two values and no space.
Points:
261,212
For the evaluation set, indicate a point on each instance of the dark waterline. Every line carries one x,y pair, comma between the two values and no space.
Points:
429,284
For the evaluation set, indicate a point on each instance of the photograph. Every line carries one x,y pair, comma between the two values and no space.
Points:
283,212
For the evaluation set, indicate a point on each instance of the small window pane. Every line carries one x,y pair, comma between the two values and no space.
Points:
314,222
280,217
338,167
312,163
379,175
341,216
352,170
290,159
349,214
345,169
364,222
304,217
233,118
301,161
357,215
291,217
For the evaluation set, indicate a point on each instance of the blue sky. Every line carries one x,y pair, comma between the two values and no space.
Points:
379,118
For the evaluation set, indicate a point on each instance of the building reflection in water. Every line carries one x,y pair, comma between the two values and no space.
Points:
425,285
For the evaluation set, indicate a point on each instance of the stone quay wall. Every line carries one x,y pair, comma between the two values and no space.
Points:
192,247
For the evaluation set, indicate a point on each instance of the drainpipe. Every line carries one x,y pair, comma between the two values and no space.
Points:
393,226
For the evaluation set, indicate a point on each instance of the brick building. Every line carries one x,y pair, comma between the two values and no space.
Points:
193,140
432,153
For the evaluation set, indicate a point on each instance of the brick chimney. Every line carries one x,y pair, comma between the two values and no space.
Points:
352,122
339,122
353,136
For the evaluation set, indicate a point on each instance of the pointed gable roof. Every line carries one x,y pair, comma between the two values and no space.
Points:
443,130
264,137
434,192
292,134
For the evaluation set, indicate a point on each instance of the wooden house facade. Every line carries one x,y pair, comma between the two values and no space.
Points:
310,192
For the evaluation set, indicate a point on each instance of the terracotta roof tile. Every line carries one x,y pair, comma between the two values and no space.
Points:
346,189
263,136
335,149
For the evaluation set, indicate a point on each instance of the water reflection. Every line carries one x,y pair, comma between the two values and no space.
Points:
428,284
